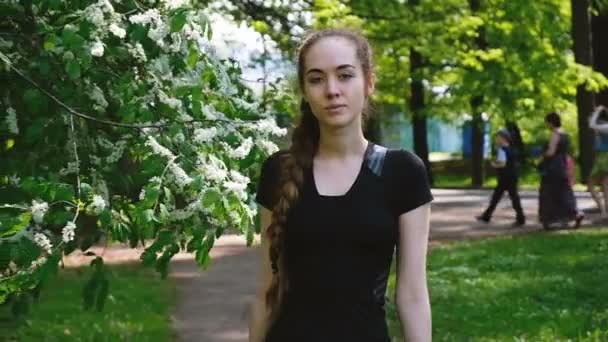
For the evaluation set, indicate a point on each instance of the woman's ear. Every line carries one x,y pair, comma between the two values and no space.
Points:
371,84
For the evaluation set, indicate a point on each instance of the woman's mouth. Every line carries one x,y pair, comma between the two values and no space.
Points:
334,109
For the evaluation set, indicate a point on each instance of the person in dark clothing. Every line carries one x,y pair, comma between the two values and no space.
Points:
556,201
506,165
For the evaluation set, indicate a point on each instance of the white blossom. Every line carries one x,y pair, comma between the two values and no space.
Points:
180,215
203,135
97,205
158,33
96,94
180,176
117,30
117,152
11,120
173,4
169,101
269,126
148,17
68,232
43,242
97,49
239,177
38,262
158,148
142,194
268,146
106,6
161,67
237,187
39,209
95,15
213,169
138,52
210,113
179,138
242,151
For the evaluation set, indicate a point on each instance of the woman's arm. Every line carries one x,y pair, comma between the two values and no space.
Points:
552,144
602,128
259,315
412,295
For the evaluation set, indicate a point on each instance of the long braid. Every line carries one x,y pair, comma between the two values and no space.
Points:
304,144
305,138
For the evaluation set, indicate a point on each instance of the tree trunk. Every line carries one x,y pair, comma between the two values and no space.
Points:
421,147
477,130
477,170
581,35
599,25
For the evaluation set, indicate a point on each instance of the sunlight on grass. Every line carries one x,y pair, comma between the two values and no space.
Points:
138,309
543,287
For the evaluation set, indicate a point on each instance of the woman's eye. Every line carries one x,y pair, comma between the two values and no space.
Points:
314,80
345,76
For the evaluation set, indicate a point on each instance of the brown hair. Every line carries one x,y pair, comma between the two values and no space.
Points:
304,144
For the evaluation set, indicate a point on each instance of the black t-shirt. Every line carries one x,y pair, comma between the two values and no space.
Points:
339,248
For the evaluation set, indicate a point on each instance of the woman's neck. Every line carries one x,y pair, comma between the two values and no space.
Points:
341,144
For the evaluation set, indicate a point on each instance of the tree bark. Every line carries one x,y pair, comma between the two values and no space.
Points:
477,127
599,25
421,146
581,35
477,130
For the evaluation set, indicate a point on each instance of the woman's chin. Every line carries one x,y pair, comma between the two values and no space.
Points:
337,121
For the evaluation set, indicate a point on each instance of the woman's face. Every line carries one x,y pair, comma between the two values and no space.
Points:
335,84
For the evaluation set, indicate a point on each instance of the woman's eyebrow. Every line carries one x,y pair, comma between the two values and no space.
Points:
340,67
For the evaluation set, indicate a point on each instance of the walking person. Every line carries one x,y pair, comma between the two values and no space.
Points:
506,165
556,201
599,172
334,207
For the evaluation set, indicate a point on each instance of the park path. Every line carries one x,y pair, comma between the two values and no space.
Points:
212,304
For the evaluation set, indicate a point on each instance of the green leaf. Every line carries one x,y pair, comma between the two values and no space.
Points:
73,69
14,225
50,43
178,21
210,197
209,30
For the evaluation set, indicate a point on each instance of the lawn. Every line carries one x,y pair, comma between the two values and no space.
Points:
529,180
138,309
540,287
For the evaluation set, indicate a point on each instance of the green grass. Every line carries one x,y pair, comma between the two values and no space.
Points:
138,309
541,287
529,180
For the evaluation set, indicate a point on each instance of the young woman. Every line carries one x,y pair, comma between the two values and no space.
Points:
334,207
556,202
599,171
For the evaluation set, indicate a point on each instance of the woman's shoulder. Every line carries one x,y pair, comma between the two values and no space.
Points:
395,161
403,159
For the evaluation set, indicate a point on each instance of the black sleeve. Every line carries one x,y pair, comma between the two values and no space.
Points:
269,181
408,185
